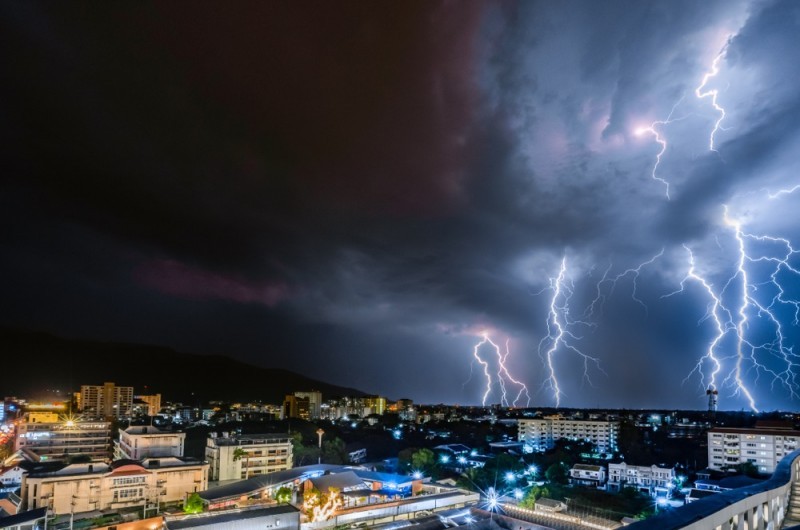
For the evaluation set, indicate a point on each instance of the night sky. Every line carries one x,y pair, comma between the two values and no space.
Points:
359,190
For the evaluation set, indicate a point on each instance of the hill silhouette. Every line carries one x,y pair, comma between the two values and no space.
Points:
35,363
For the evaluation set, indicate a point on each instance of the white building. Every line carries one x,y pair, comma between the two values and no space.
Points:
541,434
144,441
52,438
107,400
651,479
762,447
587,475
84,487
260,454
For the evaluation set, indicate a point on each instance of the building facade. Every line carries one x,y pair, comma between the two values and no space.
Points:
152,402
123,484
587,475
374,405
107,400
244,456
541,434
652,479
762,447
144,441
314,398
53,439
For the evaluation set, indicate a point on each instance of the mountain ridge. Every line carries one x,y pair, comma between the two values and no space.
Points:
66,364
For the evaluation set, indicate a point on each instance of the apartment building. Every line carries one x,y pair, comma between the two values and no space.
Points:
314,398
244,456
51,438
541,434
138,442
107,400
152,403
762,447
651,479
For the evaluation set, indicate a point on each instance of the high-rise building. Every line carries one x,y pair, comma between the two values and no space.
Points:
51,438
296,407
153,402
107,400
374,405
245,456
541,434
314,398
763,447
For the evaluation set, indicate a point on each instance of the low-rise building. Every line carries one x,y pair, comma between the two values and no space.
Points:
244,456
122,484
587,475
650,479
143,441
284,517
51,438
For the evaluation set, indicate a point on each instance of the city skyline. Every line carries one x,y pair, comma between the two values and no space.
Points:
577,204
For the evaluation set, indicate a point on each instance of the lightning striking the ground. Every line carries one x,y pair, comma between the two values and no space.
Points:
503,375
559,333
748,308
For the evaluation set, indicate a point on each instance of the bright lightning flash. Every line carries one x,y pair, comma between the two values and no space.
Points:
503,375
660,140
559,334
701,92
753,296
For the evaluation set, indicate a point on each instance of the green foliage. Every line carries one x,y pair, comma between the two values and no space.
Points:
534,494
193,504
283,495
747,468
557,473
423,460
334,452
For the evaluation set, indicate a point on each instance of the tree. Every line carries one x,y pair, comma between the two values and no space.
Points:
334,452
557,473
240,453
747,468
193,504
283,495
423,460
534,494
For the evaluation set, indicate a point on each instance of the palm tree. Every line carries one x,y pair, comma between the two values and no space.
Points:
240,453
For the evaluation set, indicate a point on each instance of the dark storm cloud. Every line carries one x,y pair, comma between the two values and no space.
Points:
367,186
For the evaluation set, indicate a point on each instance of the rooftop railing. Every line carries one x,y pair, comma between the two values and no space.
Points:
763,505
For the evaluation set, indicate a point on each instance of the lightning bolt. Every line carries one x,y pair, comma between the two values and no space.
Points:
722,319
660,141
611,281
740,310
712,93
786,191
503,374
559,334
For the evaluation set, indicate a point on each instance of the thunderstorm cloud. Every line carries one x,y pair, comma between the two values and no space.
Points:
360,191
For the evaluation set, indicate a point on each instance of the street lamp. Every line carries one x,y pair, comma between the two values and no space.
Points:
320,432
